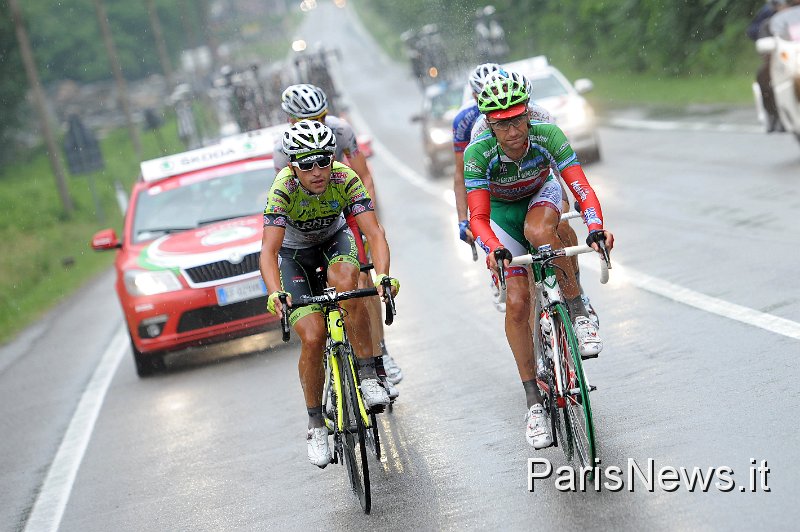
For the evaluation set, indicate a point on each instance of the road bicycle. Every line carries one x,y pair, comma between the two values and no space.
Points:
560,374
353,426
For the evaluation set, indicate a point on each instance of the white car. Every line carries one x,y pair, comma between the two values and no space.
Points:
571,111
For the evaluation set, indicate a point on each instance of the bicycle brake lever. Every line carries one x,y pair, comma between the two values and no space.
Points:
285,330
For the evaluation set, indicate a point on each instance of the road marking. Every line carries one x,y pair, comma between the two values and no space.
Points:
676,125
48,510
681,294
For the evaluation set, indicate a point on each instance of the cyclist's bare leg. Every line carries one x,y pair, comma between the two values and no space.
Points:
541,225
518,329
567,235
344,276
311,329
374,310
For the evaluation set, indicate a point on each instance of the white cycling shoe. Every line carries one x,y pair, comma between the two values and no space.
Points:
590,310
589,341
317,442
393,372
391,389
537,427
373,393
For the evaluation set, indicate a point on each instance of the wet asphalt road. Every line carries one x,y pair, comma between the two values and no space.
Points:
217,442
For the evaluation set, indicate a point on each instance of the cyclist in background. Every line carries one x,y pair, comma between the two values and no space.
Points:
309,102
515,203
304,228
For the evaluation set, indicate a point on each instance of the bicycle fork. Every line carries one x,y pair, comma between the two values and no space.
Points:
338,341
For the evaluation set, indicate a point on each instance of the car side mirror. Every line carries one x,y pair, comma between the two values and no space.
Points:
583,85
766,45
105,240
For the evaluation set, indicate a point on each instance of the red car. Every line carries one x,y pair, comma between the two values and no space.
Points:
187,263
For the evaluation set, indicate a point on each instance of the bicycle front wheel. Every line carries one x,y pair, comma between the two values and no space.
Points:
354,444
577,408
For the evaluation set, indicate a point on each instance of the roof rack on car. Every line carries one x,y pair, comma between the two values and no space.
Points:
256,143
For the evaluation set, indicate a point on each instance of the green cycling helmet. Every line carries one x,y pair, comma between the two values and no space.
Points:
502,94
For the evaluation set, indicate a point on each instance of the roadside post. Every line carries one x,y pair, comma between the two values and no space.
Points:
83,155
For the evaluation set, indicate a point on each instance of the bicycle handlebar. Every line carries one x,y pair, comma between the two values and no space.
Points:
570,251
334,297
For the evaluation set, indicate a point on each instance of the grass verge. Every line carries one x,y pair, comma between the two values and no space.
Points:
613,89
46,254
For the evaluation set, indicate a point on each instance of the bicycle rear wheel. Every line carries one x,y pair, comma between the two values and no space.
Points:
354,446
374,437
545,376
577,408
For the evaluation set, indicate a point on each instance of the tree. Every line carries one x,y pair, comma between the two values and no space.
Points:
12,83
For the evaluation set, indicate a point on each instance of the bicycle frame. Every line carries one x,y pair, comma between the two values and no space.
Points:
337,340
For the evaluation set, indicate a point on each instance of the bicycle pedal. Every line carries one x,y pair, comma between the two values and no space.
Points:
592,387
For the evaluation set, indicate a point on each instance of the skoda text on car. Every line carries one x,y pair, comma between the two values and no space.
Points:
564,101
187,262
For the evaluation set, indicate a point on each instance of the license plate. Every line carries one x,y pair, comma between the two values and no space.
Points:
233,293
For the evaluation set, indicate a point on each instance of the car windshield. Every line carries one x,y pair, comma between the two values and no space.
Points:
547,87
171,209
445,101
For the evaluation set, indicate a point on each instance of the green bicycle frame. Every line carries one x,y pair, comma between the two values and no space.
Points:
545,277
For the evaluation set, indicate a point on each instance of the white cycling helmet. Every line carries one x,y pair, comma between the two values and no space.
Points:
477,79
304,101
308,136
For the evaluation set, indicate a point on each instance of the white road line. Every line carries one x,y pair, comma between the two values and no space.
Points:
646,282
677,125
769,322
49,507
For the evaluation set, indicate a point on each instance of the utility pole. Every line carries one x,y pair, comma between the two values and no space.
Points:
38,99
161,45
122,88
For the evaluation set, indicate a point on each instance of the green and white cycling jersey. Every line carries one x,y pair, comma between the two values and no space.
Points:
487,167
311,219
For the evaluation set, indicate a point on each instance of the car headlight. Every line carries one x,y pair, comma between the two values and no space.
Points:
148,283
575,115
440,135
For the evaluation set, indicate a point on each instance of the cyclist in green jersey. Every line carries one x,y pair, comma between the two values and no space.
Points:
304,228
515,205
308,102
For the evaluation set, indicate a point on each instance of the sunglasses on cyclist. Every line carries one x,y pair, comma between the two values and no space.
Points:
323,160
505,125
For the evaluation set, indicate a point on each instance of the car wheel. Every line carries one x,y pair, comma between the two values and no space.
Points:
147,363
592,155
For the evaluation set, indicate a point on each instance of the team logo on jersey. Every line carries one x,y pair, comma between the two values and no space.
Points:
334,204
304,203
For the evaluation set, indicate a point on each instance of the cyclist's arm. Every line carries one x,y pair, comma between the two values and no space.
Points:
459,188
579,186
271,240
476,182
368,224
358,162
